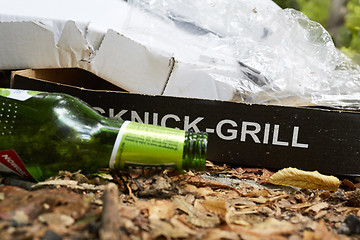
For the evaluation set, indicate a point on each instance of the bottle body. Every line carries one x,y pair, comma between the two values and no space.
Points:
52,132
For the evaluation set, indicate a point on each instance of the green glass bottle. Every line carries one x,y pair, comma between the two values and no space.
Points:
42,133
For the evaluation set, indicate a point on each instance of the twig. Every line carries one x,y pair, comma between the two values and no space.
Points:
109,229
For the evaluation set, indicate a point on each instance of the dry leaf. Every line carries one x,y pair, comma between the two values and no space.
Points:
56,219
272,226
196,217
349,184
305,179
271,229
317,207
353,198
218,207
161,228
258,193
178,224
321,232
161,209
215,234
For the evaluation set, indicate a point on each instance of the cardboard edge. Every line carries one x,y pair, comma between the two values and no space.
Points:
311,126
44,75
131,65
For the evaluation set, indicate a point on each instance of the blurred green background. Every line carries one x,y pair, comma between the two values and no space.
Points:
340,17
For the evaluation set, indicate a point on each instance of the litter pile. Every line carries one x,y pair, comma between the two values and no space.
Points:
257,54
219,203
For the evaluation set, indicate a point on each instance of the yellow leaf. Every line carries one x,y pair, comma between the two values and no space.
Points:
305,179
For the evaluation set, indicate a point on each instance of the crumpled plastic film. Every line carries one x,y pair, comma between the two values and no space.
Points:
284,58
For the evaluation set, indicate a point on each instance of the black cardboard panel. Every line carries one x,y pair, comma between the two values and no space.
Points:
240,134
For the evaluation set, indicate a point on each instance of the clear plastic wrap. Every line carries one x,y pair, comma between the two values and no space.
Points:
284,58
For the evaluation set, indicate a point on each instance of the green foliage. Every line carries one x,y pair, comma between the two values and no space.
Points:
316,10
288,4
352,22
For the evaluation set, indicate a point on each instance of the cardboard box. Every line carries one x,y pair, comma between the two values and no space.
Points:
111,40
240,134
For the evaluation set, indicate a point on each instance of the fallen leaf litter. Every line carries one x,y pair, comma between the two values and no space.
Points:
219,203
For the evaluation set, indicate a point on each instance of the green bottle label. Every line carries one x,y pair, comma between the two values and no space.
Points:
147,146
17,94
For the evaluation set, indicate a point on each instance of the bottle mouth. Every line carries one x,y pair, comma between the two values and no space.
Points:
195,150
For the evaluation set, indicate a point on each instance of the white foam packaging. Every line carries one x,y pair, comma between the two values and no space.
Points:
285,58
51,34
113,40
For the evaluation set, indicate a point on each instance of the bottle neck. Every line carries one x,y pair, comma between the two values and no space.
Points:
111,125
195,148
152,146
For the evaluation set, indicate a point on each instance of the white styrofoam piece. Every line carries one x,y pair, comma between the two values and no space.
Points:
56,37
144,71
189,80
32,45
79,11
112,40
23,45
